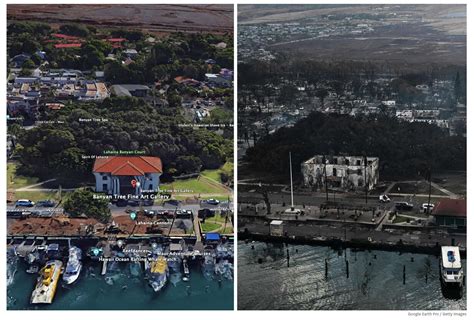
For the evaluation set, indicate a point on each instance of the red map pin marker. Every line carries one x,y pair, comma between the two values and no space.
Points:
134,183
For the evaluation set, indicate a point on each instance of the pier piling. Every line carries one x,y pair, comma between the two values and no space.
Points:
326,268
288,257
404,274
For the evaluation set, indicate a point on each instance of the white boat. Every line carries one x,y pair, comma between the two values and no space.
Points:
47,282
157,272
224,269
452,274
208,265
73,266
185,270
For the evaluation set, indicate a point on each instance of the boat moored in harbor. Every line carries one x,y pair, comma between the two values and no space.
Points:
158,272
73,266
451,272
47,283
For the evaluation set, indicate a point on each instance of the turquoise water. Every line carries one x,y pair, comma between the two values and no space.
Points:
123,291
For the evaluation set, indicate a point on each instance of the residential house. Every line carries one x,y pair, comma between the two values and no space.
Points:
129,90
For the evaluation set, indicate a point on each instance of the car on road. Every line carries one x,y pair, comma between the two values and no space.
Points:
384,198
149,213
14,214
213,202
133,203
45,203
405,206
172,202
184,214
45,214
121,203
24,203
148,202
206,213
427,207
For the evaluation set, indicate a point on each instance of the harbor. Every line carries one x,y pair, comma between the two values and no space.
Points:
136,251
324,278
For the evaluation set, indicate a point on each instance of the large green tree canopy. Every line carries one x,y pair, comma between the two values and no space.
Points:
404,148
57,149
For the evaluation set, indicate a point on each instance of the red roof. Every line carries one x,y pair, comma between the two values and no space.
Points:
128,166
450,207
64,36
116,40
67,45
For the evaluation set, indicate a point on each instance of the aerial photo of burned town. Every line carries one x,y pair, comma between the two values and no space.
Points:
120,157
352,157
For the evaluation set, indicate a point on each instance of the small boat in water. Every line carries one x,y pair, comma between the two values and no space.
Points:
207,266
224,269
452,274
73,266
47,282
158,272
185,270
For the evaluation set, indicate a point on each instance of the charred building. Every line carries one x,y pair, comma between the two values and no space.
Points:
349,173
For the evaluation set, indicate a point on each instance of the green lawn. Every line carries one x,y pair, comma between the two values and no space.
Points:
215,175
209,226
400,219
228,230
219,218
40,195
16,182
192,186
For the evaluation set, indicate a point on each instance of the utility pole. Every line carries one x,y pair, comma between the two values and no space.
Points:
429,189
326,179
291,185
365,178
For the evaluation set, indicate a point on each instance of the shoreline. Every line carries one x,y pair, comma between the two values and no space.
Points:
338,244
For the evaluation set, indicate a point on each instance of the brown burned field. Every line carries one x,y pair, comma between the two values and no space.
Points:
410,34
163,18
406,44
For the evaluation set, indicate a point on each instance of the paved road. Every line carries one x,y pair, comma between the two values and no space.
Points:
316,199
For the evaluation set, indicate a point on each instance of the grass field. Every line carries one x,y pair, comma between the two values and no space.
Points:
215,175
400,219
14,181
40,195
218,218
209,226
227,230
193,186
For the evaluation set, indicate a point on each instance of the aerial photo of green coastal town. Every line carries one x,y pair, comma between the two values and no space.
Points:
120,157
352,157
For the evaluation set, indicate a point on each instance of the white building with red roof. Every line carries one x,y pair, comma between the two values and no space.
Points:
121,175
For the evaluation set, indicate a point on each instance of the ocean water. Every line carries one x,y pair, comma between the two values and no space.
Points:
122,289
375,282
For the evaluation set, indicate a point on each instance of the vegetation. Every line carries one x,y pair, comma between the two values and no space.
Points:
405,149
82,202
57,151
193,186
209,226
175,55
222,174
